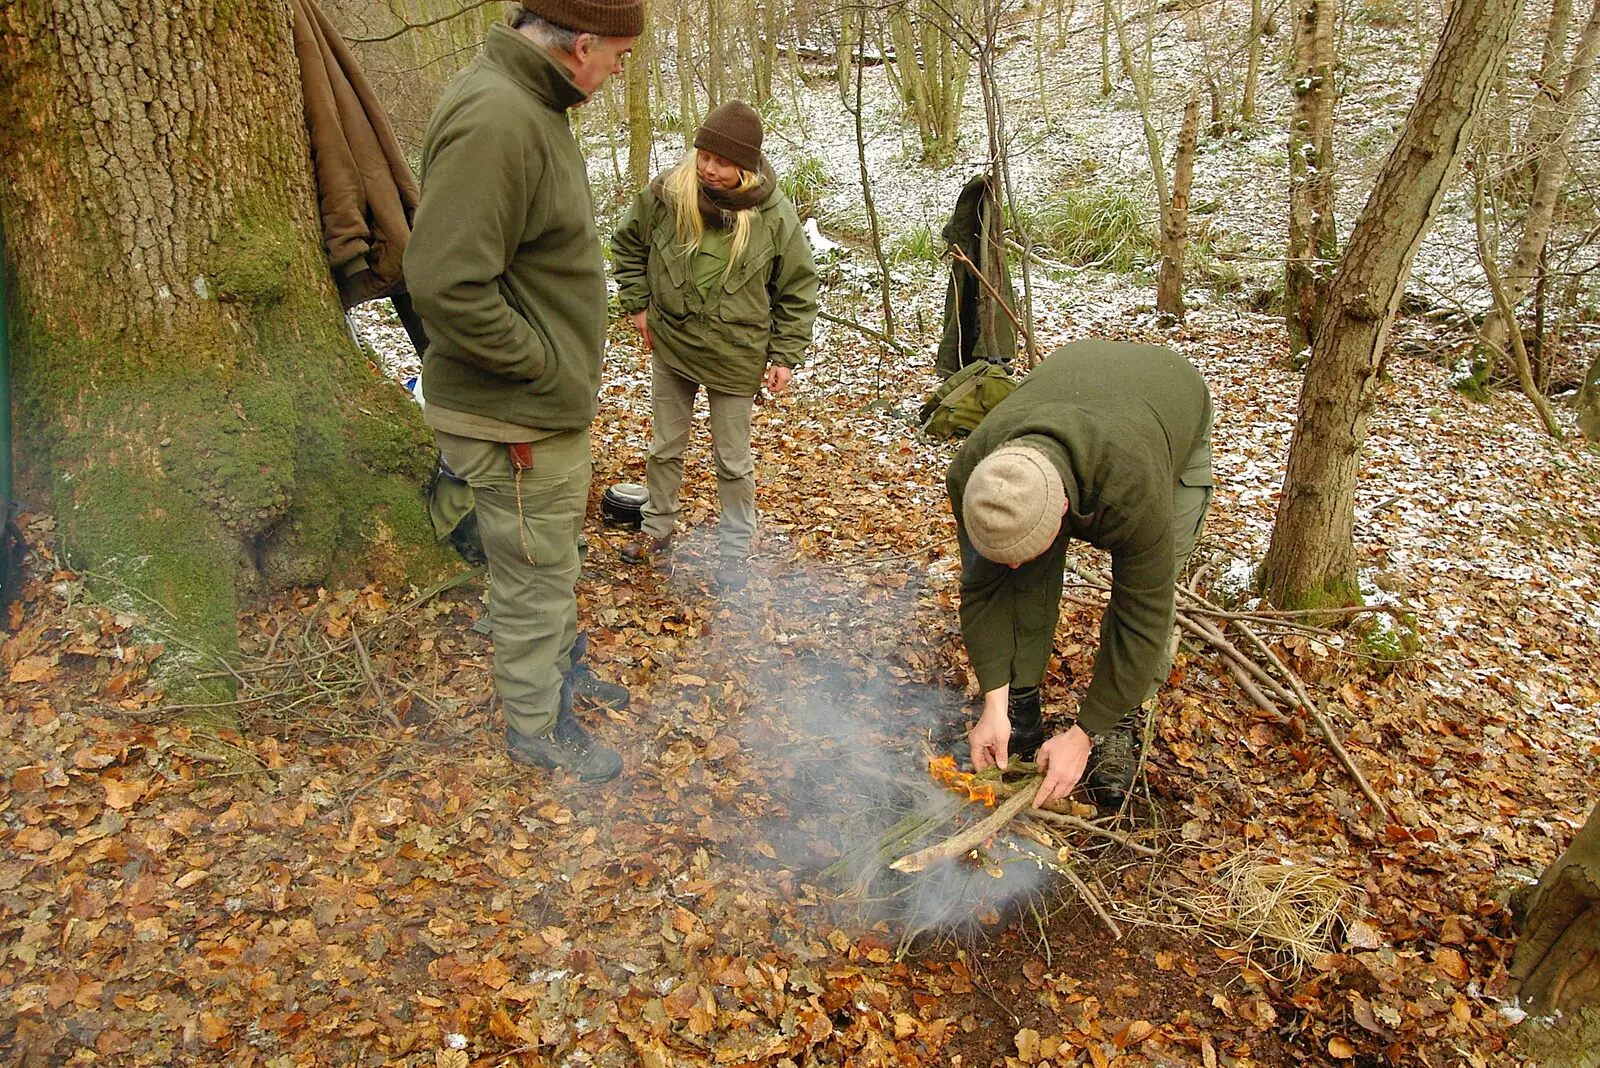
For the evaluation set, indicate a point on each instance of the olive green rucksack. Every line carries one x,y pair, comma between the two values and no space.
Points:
956,408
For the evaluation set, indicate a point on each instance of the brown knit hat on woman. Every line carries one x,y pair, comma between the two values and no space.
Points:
606,18
733,131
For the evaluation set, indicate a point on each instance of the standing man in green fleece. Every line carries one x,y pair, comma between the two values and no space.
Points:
506,269
1109,443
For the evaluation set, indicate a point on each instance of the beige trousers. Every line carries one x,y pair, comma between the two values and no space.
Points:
672,419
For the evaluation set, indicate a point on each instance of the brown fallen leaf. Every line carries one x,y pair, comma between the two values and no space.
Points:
31,669
1027,1041
120,794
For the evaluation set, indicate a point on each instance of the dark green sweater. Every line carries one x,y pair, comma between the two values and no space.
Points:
1119,422
505,263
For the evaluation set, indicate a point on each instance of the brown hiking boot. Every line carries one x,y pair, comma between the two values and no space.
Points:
644,547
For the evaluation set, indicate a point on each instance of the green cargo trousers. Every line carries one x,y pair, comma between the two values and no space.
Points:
530,522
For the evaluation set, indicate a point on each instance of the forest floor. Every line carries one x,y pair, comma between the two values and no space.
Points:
352,892
356,875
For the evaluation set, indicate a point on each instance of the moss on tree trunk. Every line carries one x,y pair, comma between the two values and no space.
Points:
192,407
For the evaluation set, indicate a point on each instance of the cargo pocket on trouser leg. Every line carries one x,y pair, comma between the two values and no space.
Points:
535,615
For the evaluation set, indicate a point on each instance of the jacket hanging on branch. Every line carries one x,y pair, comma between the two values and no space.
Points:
976,327
364,184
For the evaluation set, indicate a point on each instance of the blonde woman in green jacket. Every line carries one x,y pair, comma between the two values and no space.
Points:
715,272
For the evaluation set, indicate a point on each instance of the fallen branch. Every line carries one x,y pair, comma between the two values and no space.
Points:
1090,899
1062,819
876,335
372,680
969,838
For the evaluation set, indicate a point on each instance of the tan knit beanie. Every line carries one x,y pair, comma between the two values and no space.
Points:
733,131
1012,507
605,18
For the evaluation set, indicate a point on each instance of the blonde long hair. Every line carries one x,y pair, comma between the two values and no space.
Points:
682,187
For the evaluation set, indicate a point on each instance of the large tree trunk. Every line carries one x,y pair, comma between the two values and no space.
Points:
1312,238
1549,146
1555,972
1311,561
1175,215
192,406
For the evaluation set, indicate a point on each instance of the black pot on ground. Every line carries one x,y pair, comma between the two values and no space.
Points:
622,505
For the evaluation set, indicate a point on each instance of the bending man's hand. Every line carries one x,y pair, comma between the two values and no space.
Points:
1062,759
638,320
991,737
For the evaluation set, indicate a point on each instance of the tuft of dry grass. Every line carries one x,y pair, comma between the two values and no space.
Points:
1291,909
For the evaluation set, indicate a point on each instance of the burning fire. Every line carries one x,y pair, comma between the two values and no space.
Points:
944,772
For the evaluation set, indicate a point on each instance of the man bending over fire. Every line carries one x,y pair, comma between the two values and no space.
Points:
1109,443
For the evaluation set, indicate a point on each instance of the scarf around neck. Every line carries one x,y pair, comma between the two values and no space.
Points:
719,206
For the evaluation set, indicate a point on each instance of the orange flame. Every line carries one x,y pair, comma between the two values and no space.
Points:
945,773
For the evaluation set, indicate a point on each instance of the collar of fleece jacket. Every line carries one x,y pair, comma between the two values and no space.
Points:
532,68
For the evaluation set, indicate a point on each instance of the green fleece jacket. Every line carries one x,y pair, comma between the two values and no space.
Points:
760,314
505,263
1119,421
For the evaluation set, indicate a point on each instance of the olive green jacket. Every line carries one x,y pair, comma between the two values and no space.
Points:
1119,421
505,263
760,315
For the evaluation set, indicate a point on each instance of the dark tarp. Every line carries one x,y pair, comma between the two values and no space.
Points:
975,326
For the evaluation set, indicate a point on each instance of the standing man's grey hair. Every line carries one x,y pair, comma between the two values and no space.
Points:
545,33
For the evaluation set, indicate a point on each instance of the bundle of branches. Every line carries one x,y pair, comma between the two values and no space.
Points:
975,848
1265,677
343,679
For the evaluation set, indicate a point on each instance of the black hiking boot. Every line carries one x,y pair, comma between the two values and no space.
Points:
1113,763
1027,724
589,686
568,745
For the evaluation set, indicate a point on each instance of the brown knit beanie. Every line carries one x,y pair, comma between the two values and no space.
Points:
1012,507
605,18
733,131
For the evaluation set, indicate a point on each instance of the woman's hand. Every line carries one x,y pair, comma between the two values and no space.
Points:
639,324
778,379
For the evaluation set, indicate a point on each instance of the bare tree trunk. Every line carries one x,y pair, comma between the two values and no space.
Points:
1175,215
689,117
999,149
1106,18
1549,147
636,86
1312,236
716,55
1555,972
1589,402
1502,303
192,408
1252,70
1311,561
1141,77
1546,86
884,282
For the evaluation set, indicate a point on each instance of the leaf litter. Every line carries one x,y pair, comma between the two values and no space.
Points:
367,880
